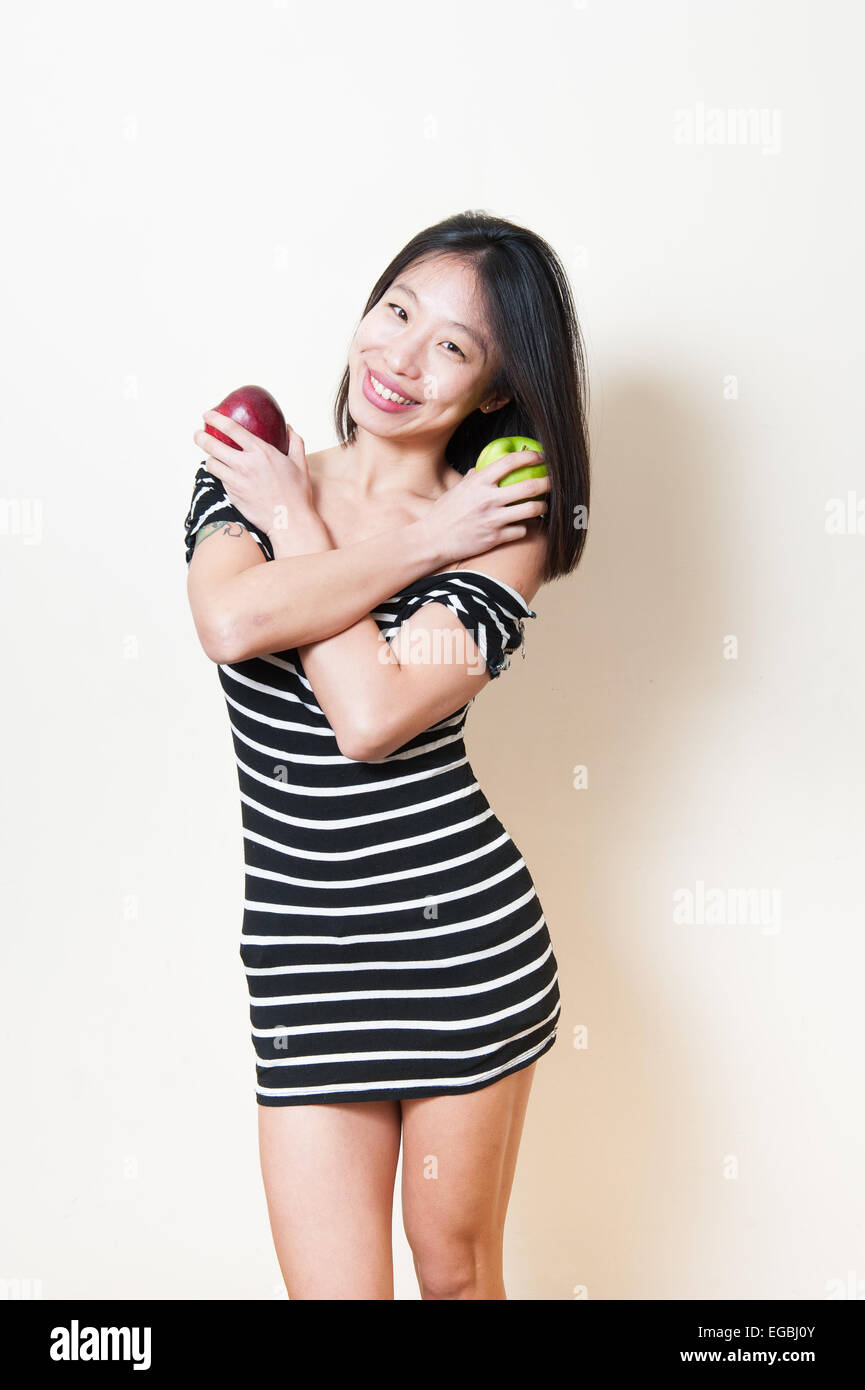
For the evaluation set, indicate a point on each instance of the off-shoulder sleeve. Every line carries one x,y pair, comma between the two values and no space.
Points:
490,610
210,503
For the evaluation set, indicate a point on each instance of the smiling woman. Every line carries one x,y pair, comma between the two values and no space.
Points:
525,326
401,975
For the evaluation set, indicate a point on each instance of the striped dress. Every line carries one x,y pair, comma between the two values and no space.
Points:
393,941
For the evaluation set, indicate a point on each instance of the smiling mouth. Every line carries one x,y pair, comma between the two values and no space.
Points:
387,394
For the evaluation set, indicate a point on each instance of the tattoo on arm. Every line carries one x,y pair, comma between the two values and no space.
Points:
228,528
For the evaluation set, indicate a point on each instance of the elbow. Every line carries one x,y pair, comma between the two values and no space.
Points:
361,740
355,747
219,640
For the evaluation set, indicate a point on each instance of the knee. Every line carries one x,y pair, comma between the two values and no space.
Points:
459,1267
446,1274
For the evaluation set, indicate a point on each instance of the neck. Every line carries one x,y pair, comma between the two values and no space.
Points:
373,466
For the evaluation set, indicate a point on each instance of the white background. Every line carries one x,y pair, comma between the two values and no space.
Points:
202,194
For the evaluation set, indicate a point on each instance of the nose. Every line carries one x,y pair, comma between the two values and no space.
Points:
400,355
399,361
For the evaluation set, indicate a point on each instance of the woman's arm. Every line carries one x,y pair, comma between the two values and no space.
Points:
244,606
377,695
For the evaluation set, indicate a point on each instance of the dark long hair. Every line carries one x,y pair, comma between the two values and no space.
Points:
531,314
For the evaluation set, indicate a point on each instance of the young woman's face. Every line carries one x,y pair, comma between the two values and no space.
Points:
426,341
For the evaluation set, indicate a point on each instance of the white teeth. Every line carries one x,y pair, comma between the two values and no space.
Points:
386,393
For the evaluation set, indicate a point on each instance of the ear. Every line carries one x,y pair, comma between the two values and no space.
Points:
496,404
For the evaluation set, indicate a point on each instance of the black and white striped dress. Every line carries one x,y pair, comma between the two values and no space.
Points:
393,941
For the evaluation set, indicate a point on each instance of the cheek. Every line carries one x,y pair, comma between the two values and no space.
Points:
372,329
455,386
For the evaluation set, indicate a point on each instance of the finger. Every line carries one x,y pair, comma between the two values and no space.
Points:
219,470
296,448
527,487
215,447
500,467
523,511
226,477
513,533
229,427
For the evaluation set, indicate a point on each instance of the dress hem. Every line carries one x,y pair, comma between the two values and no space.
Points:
400,1092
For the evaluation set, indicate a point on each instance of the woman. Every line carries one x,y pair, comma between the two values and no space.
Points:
402,981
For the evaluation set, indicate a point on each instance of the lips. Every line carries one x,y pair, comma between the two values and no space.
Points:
392,385
388,407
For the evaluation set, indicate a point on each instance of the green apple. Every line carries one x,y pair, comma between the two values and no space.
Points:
513,444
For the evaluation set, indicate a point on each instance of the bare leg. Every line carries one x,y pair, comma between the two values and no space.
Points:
459,1159
329,1173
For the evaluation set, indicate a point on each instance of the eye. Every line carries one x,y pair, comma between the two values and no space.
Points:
401,310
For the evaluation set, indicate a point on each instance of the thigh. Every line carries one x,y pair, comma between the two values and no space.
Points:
459,1158
329,1173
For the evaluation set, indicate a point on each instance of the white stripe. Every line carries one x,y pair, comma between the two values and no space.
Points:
365,786
289,667
403,1085
323,760
338,856
347,822
452,601
418,1055
527,611
454,992
405,965
279,694
459,610
438,1025
272,723
402,753
369,909
493,617
468,924
353,788
283,665
397,876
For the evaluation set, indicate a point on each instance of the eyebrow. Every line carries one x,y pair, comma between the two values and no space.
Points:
452,323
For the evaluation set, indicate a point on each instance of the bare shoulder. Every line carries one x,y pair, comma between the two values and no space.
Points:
316,463
518,563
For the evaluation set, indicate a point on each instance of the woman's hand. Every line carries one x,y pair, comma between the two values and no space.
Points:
271,489
476,514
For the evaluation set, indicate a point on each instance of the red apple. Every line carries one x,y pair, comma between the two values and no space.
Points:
257,411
